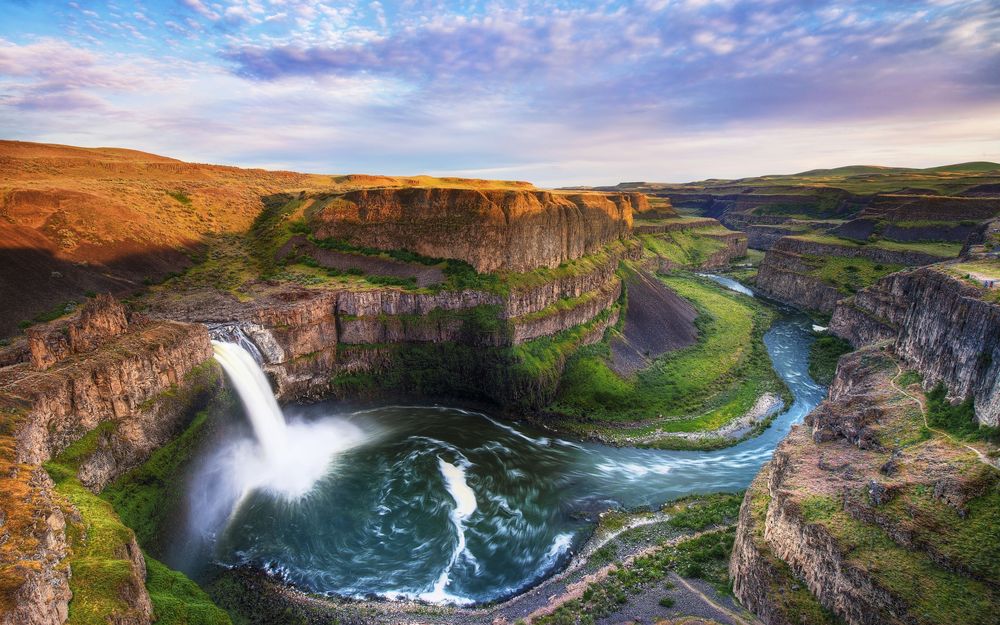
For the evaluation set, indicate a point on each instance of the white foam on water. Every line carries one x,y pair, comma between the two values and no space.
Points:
465,506
634,470
284,459
559,546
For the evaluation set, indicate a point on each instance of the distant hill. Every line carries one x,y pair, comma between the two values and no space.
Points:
853,178
972,166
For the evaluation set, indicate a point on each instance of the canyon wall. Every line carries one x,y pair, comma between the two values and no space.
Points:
491,229
310,338
939,324
787,271
689,243
726,206
128,385
861,518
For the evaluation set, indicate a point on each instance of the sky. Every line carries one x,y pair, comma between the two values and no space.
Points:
558,93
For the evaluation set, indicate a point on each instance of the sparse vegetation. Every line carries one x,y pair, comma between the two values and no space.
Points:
699,512
51,314
942,249
181,197
957,419
849,275
824,354
687,248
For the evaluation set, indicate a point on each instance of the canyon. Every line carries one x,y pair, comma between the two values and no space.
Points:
561,308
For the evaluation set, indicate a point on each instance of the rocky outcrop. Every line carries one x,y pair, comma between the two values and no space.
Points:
34,581
939,324
786,272
850,508
786,276
99,321
764,236
113,384
510,230
136,384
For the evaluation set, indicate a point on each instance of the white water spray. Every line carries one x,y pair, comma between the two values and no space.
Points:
284,458
255,394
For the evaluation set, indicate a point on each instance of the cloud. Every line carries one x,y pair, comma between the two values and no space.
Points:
551,91
201,8
703,63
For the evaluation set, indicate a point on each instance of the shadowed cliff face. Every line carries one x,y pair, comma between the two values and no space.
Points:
490,229
863,514
940,326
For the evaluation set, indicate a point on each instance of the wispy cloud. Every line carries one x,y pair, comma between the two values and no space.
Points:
571,91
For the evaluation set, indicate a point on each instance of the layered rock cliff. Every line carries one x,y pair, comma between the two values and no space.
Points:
491,229
129,387
310,336
943,326
791,269
689,242
877,519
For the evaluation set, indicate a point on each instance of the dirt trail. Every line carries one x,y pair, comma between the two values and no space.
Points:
923,413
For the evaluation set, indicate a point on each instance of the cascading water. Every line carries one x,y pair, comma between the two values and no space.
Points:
255,394
284,458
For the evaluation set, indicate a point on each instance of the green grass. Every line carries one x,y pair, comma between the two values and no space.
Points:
102,573
824,354
932,594
943,249
698,512
51,314
179,601
959,419
848,275
909,378
143,496
970,539
687,248
698,388
181,197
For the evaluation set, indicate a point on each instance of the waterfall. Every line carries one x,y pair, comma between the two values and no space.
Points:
284,457
255,393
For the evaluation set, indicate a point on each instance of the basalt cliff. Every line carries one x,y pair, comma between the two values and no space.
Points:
882,507
514,230
110,389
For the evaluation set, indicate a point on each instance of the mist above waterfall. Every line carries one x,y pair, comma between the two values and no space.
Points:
284,458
